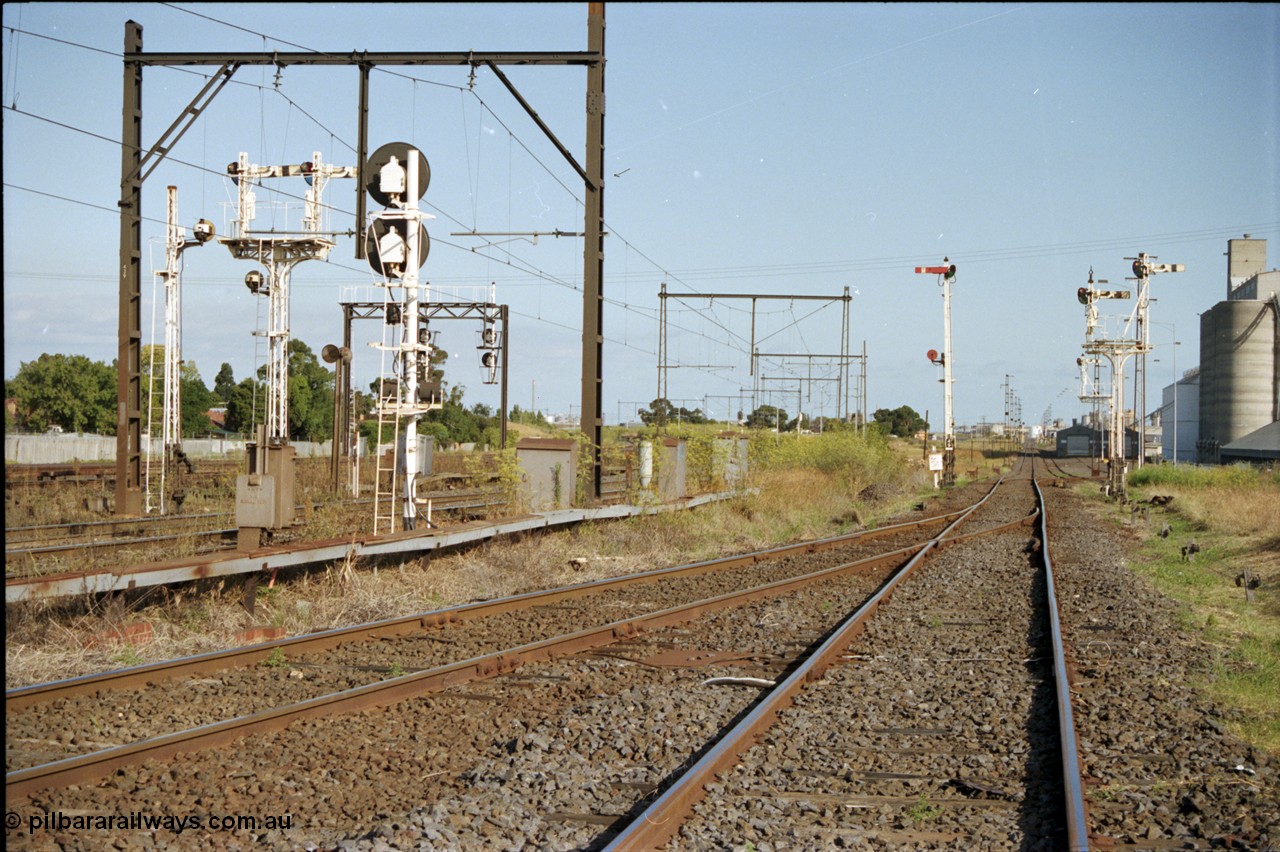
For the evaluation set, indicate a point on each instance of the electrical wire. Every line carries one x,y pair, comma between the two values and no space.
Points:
707,273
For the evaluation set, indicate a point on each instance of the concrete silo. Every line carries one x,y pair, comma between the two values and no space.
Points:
1240,352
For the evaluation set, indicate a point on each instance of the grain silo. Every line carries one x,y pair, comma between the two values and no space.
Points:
1240,352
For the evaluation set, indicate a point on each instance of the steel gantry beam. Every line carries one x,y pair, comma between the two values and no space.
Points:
129,421
487,312
843,356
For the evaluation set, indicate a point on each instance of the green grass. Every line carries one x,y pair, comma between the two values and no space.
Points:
128,657
1245,675
1193,476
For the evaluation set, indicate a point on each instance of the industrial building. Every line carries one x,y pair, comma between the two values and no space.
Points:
1179,418
1082,440
1239,379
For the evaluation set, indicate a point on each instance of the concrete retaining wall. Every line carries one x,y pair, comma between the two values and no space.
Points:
60,449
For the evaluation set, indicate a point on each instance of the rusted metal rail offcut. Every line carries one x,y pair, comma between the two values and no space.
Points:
267,559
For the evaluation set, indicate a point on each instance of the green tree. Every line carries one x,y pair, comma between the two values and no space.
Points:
310,395
661,412
902,421
68,391
529,418
246,405
768,417
224,383
197,399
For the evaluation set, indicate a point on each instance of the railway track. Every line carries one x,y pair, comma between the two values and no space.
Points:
560,720
35,550
965,778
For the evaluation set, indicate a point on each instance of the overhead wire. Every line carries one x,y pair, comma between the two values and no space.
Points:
707,273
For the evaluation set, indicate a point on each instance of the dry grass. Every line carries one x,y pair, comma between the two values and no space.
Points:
1239,511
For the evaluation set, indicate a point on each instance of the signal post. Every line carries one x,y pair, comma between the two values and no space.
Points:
946,275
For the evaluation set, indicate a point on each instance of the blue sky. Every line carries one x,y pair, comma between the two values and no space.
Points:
792,149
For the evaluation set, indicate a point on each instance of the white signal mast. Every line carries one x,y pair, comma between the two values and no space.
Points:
279,252
946,275
171,418
398,244
1119,350
1143,269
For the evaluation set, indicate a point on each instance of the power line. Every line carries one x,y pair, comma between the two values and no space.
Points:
112,210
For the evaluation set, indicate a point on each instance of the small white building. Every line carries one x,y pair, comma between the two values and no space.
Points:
1181,403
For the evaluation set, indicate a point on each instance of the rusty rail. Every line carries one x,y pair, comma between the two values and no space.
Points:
659,823
88,767
202,664
1073,786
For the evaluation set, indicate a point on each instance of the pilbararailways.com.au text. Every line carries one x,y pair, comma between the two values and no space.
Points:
139,821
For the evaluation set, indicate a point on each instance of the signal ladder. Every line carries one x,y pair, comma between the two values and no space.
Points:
390,410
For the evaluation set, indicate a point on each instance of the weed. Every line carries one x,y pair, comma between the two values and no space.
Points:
934,622
128,656
396,670
923,811
275,660
825,607
1104,793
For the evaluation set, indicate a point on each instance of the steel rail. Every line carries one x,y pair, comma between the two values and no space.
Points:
222,563
115,522
108,543
1073,785
452,503
658,824
140,676
88,767
448,500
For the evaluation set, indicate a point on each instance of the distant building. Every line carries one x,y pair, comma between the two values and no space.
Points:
1260,447
1239,368
1184,403
218,417
1081,440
